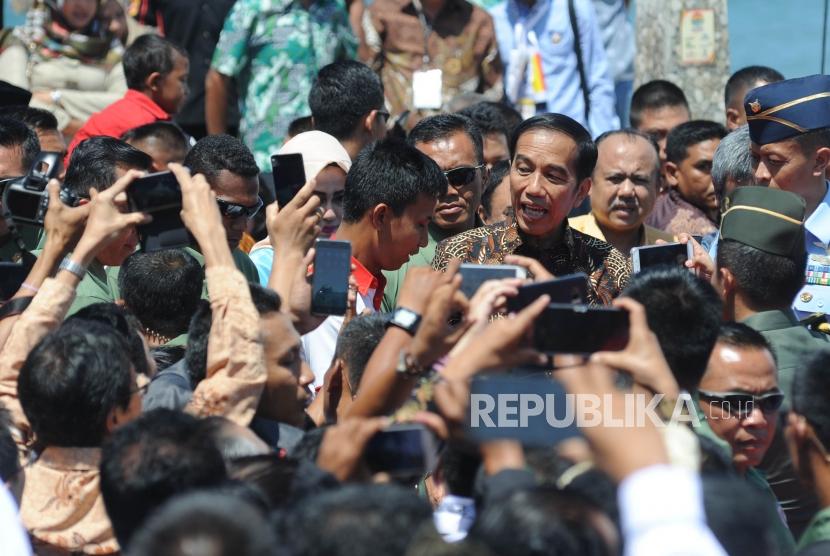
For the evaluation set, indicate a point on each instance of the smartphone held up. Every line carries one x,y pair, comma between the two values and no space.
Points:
330,281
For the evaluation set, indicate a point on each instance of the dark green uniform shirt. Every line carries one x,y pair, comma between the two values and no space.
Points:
818,530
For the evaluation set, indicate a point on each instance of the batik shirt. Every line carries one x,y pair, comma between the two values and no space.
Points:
273,49
607,269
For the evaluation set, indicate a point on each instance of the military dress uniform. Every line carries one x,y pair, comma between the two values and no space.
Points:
781,111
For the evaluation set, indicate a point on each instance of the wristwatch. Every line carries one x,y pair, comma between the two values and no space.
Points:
405,319
71,266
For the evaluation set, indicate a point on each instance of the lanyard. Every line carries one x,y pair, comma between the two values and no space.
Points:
427,28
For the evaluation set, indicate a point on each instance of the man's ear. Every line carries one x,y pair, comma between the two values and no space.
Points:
582,191
151,82
117,417
821,161
482,214
379,215
369,122
727,281
670,169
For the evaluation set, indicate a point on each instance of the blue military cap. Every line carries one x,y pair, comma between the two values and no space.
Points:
785,109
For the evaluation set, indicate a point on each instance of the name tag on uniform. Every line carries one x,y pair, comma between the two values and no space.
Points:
427,89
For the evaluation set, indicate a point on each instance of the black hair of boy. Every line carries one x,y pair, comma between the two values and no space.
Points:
343,94
654,95
121,320
169,136
393,173
148,54
16,135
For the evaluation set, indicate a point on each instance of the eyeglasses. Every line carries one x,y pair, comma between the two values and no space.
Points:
233,210
463,175
741,404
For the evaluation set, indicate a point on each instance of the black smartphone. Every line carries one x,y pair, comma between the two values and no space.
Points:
572,288
474,275
580,329
674,254
289,176
330,282
159,195
403,451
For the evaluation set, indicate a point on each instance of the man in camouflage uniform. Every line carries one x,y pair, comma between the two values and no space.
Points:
273,49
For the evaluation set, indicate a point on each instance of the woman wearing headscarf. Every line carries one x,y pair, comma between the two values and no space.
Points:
326,161
67,57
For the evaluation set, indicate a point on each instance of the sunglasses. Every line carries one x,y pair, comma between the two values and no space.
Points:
232,210
741,404
463,175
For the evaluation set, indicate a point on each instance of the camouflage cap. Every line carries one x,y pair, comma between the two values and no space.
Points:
768,219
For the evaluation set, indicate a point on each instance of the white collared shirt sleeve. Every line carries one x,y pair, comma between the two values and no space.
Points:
13,537
661,509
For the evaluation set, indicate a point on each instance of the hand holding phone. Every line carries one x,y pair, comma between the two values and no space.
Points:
474,275
330,282
159,195
572,288
404,451
580,329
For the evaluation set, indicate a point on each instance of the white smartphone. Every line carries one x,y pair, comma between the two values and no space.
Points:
476,274
666,254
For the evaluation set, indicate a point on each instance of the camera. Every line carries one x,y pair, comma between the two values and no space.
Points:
26,200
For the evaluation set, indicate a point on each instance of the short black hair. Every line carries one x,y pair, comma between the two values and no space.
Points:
498,172
748,77
149,461
122,321
265,301
71,381
36,118
9,458
300,125
765,280
356,342
162,289
488,117
811,394
688,134
739,335
654,95
218,524
14,134
341,96
169,135
541,520
813,139
355,520
214,153
739,515
512,118
393,173
441,126
94,161
586,149
149,54
684,312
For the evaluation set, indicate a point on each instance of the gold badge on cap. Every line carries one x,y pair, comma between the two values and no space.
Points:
755,106
806,297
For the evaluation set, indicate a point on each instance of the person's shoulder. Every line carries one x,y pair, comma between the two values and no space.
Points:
602,253
477,234
474,245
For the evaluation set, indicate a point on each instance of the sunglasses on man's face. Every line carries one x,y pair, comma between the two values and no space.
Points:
463,175
233,210
741,404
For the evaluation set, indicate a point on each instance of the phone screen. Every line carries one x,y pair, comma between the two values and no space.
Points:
155,192
330,282
289,176
563,328
568,289
474,275
401,450
670,254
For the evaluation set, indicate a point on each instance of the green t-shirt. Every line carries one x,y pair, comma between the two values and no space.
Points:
818,530
241,259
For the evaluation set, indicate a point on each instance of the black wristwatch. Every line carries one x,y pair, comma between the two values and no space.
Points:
405,319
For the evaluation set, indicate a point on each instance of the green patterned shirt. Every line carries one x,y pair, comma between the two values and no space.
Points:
273,49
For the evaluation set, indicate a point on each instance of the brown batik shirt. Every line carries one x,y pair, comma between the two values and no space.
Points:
607,269
675,215
462,44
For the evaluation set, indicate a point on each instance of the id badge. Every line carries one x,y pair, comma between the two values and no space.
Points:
427,89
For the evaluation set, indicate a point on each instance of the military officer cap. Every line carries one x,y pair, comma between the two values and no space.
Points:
771,220
786,109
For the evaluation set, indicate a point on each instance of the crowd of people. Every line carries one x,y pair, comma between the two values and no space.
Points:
190,401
